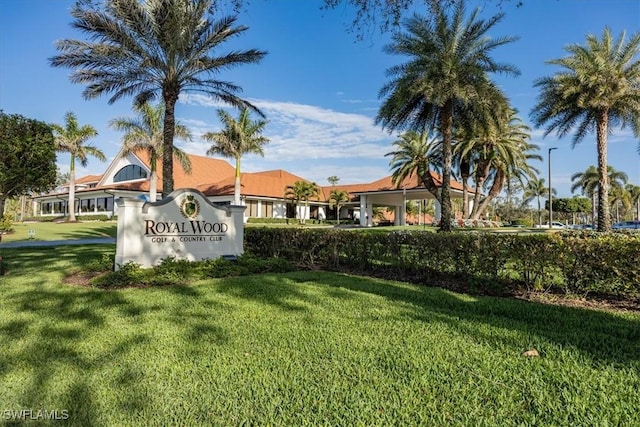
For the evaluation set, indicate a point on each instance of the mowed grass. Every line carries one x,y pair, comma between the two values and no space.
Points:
60,231
304,348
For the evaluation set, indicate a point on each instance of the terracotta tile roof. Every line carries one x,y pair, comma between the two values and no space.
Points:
203,170
216,177
265,184
409,183
88,179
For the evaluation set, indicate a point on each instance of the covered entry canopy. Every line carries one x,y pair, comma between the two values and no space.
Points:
384,194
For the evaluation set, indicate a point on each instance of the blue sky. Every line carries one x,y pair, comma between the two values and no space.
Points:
318,85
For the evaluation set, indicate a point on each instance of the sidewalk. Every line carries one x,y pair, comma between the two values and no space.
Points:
45,243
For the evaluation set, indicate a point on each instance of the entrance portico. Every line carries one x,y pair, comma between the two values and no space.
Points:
397,199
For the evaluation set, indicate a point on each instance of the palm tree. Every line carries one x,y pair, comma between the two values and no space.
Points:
301,191
238,137
501,152
634,193
619,196
71,139
154,48
512,165
414,153
535,189
589,183
597,88
333,180
447,71
337,198
145,133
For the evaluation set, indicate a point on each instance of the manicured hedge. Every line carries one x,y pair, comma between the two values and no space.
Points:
478,262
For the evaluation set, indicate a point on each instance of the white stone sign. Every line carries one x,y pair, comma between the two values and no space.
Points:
184,225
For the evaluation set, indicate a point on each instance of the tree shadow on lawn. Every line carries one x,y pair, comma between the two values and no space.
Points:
90,233
58,341
26,261
43,347
602,336
267,289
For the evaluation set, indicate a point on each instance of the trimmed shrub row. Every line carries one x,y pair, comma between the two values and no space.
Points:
295,221
475,262
172,271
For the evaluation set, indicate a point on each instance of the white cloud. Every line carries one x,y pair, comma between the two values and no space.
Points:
304,132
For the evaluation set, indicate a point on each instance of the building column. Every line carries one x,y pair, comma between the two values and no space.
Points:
397,217
438,209
363,211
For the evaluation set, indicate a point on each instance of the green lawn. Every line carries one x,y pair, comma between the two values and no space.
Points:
61,231
304,348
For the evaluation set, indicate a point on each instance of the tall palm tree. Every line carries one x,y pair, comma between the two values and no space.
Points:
72,139
589,183
237,138
597,88
145,133
447,70
337,198
634,193
535,189
301,191
154,48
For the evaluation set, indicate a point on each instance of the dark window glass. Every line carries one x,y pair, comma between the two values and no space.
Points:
129,173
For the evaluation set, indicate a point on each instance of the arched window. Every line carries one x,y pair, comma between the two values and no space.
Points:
129,173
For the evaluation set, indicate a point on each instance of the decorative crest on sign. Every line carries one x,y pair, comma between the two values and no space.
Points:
190,207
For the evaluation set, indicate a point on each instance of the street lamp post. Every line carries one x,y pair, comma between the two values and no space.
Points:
550,189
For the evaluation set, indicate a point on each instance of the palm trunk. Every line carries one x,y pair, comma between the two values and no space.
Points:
236,189
481,175
153,186
604,222
427,180
464,172
496,188
153,179
3,199
447,160
72,189
539,212
465,197
170,97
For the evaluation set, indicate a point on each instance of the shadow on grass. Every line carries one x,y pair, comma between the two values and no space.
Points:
88,233
59,340
267,289
21,261
62,231
602,336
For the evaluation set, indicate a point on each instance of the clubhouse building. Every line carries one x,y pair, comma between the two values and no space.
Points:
263,193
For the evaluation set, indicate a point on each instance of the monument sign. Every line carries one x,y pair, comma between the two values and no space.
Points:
183,225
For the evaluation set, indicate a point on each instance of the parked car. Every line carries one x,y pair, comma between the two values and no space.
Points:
626,225
554,224
581,227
